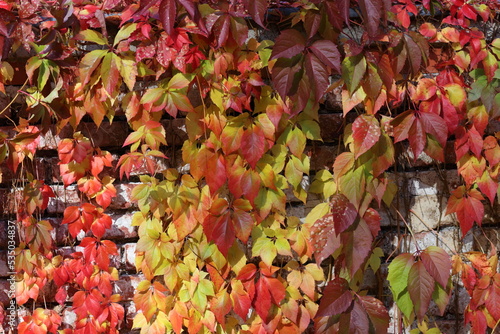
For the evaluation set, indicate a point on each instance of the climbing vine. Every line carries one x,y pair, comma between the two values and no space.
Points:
217,247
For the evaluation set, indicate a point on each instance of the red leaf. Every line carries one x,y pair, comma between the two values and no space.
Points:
324,240
242,220
257,9
217,176
377,313
372,219
318,75
414,54
241,299
289,43
402,125
358,245
253,145
493,300
371,11
283,75
477,320
231,139
222,27
434,125
359,322
343,213
336,298
366,132
269,290
328,53
467,206
61,295
220,230
168,14
437,263
110,73
417,138
420,287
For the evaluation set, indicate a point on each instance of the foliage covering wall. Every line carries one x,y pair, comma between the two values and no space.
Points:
193,134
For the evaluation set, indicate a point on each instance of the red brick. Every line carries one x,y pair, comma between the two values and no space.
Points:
175,131
126,286
332,127
322,156
65,196
333,100
122,199
122,227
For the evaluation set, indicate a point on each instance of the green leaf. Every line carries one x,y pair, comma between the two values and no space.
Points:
124,32
353,70
128,72
399,270
311,129
93,36
323,183
180,81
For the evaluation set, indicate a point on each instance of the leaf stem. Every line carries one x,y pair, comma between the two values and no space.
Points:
409,229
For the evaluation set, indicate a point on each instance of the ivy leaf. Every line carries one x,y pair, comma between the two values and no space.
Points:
284,73
343,213
318,75
110,72
468,207
379,317
420,287
253,144
372,219
437,263
93,36
268,290
441,296
168,14
358,322
488,186
257,10
399,270
366,132
337,298
357,246
242,219
371,11
89,63
240,298
328,53
434,125
492,302
218,226
289,43
324,240
353,70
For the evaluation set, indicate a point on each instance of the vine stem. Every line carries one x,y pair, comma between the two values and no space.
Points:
14,98
409,229
434,232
